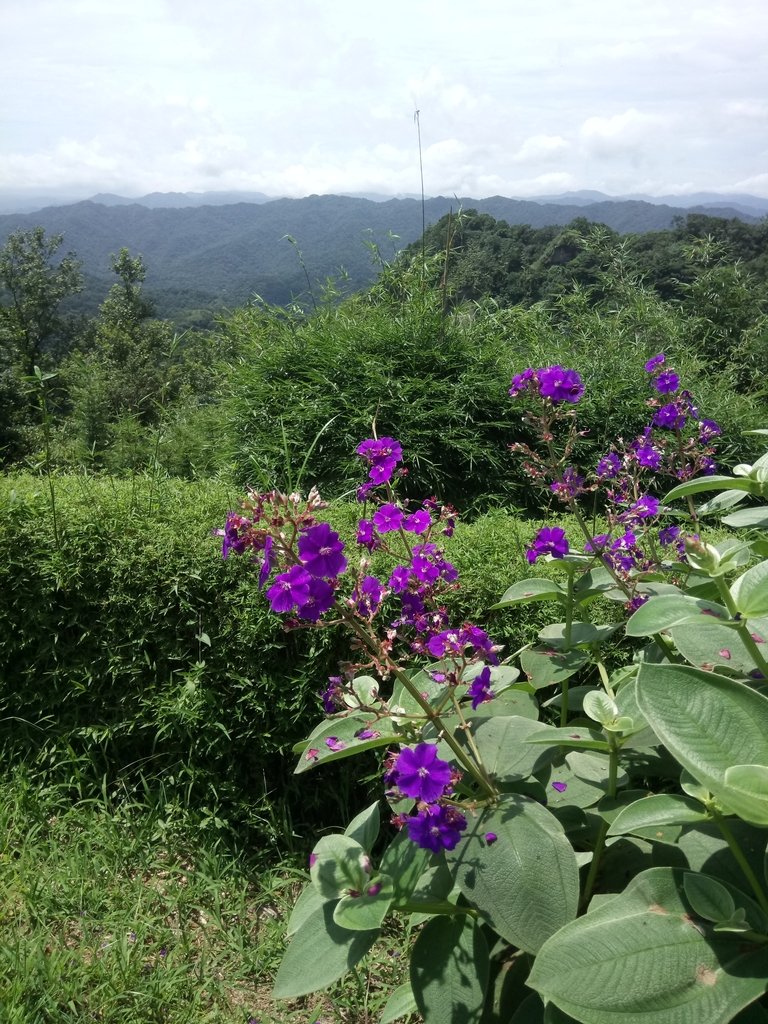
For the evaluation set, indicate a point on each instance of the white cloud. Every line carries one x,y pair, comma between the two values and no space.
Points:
619,135
541,149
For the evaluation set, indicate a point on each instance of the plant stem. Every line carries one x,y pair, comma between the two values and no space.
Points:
738,853
475,770
613,771
742,627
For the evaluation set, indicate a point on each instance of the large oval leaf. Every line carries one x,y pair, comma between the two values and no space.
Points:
535,589
708,723
750,591
666,611
517,868
319,954
641,958
449,971
660,809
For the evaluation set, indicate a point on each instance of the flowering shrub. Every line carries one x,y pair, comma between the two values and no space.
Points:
613,830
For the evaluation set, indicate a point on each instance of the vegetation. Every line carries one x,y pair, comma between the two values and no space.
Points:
149,700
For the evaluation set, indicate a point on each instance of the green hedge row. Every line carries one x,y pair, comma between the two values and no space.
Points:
132,656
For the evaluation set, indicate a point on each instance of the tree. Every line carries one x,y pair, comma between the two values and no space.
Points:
32,287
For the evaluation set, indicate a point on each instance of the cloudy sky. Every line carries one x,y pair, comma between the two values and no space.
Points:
516,97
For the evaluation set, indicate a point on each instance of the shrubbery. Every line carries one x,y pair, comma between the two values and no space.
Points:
133,655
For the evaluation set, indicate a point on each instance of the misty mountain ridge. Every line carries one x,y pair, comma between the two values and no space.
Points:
30,202
211,257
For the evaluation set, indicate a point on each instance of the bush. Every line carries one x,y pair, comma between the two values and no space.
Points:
133,656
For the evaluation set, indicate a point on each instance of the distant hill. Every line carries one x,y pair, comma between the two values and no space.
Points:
217,256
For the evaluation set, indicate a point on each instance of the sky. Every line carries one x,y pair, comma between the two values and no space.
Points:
299,97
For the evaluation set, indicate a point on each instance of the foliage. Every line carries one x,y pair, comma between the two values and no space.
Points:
573,838
309,388
128,650
32,287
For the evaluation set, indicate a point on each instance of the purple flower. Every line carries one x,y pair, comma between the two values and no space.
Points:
365,534
332,695
560,385
421,774
560,786
383,454
655,362
648,456
669,417
428,565
335,744
387,518
319,600
643,508
436,828
266,565
320,551
447,642
418,522
598,543
608,466
480,689
550,540
520,382
399,579
368,596
289,589
667,382
232,539
669,535
490,838
570,486
707,430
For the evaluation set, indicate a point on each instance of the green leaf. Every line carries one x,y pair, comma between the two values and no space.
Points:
585,775
335,739
308,902
600,707
712,483
750,591
705,850
535,589
708,723
639,958
716,647
449,970
545,666
753,517
581,633
750,781
503,748
575,737
655,811
709,899
365,690
666,611
319,954
507,704
405,862
338,865
401,1003
364,827
525,883
366,911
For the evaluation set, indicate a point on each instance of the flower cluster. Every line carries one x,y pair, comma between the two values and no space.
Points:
306,571
418,773
667,446
550,382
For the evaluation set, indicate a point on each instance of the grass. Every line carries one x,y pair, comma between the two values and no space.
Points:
109,916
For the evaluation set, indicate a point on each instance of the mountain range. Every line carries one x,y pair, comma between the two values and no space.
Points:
203,253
